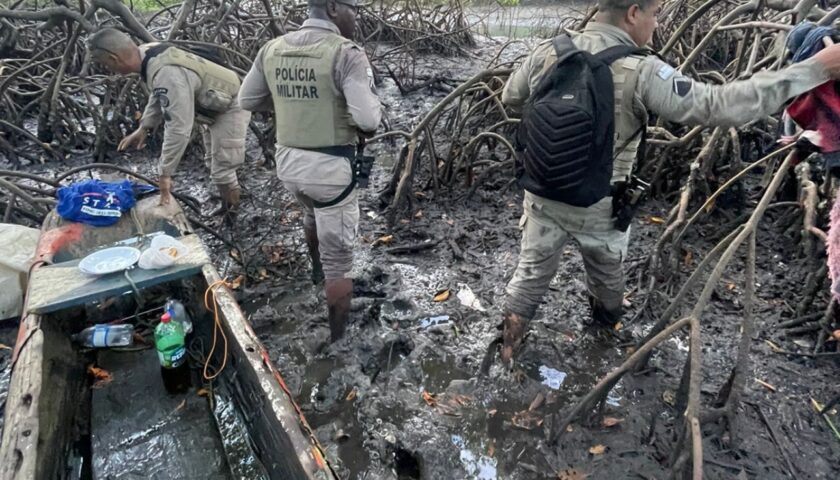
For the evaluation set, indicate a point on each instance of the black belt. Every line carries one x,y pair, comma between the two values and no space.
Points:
348,152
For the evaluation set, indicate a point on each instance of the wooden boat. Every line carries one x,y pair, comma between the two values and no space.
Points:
61,423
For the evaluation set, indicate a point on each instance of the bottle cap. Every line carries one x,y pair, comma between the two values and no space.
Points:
166,317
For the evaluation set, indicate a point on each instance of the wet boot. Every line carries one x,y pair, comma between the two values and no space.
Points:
339,292
230,195
514,328
606,320
311,235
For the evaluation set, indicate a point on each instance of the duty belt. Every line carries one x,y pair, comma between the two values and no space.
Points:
349,153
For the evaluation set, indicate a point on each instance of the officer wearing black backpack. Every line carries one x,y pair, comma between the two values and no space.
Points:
586,98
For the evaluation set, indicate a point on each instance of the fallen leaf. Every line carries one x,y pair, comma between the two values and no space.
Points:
385,240
527,420
598,449
181,405
765,385
237,282
450,222
274,253
442,295
419,214
572,474
835,334
687,259
3,346
351,396
618,326
234,253
404,221
100,376
570,429
203,392
608,422
669,397
656,220
731,286
429,398
492,450
492,412
263,273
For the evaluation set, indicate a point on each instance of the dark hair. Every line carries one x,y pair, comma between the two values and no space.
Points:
622,5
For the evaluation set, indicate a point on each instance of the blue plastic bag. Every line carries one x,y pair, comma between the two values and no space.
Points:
94,202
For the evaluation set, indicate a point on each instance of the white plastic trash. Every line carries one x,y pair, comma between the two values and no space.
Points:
163,252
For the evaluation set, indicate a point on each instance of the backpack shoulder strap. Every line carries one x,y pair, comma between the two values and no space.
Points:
611,54
564,47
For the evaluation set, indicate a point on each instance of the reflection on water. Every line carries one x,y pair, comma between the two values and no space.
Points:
478,467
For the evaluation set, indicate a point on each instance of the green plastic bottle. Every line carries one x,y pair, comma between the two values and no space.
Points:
172,353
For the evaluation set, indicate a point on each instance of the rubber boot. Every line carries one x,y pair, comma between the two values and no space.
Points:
230,195
601,317
514,328
310,233
339,293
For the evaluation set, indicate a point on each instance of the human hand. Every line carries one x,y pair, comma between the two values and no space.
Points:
136,139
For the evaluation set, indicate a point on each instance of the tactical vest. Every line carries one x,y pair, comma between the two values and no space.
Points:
627,124
219,85
309,112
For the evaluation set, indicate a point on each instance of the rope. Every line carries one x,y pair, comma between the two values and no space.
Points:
217,328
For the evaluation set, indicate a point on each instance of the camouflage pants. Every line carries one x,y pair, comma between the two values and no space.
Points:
224,144
546,227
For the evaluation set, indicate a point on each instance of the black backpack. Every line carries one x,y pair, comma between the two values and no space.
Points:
567,130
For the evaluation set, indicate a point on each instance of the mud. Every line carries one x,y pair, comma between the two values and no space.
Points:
400,397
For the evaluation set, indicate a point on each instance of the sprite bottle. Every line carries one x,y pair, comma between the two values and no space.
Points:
172,353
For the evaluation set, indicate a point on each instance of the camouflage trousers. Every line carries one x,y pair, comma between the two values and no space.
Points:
546,227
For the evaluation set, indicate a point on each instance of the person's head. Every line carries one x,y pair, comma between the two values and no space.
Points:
341,12
115,50
636,17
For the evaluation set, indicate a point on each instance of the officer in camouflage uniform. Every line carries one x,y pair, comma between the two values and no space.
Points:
186,89
642,84
319,85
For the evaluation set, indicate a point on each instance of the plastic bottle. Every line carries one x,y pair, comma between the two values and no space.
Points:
178,312
172,353
103,336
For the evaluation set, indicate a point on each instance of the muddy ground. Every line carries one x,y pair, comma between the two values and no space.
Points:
400,396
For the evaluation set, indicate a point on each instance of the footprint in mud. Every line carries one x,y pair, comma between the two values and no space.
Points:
390,355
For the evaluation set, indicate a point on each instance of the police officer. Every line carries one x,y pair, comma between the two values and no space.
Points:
186,89
319,85
642,84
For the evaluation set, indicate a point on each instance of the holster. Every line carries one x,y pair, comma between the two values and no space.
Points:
626,199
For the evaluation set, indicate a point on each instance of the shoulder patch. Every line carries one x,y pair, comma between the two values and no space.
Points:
665,72
682,85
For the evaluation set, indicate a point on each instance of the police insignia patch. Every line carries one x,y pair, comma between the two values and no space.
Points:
665,72
160,93
682,86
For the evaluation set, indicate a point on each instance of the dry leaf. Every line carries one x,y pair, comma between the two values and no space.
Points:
572,474
234,253
429,398
351,396
492,450
608,422
669,397
450,222
835,334
656,220
570,429
404,221
100,376
181,405
419,214
527,420
731,286
3,346
203,392
263,273
598,449
765,385
618,326
237,282
687,259
442,295
492,412
387,239
419,194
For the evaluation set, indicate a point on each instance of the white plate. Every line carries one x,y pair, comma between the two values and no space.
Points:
110,260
